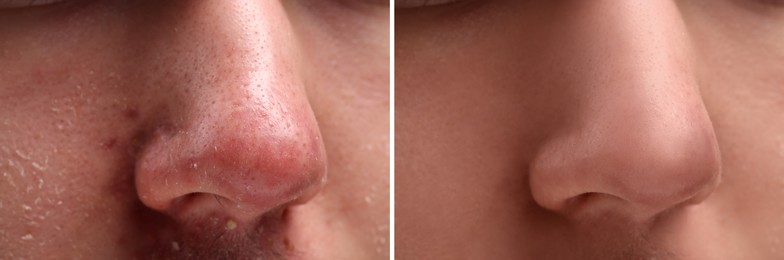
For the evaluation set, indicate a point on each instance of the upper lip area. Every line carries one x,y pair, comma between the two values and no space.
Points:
213,235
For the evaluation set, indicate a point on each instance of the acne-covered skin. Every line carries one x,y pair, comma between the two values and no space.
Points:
205,129
589,130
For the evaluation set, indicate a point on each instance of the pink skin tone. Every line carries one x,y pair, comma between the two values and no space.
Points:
195,129
589,130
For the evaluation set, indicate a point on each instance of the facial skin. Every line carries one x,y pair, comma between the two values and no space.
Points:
195,129
590,130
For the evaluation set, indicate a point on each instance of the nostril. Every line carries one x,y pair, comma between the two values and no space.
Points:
190,197
591,203
199,202
582,199
198,205
578,200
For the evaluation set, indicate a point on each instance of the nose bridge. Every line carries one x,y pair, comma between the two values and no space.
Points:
615,44
632,69
626,58
639,132
238,45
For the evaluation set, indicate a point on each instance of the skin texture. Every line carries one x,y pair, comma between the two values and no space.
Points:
590,130
194,129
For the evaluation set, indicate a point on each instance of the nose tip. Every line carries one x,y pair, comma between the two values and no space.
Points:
635,171
242,164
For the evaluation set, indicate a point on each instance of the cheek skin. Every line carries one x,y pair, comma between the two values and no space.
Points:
357,149
66,120
57,152
746,107
457,143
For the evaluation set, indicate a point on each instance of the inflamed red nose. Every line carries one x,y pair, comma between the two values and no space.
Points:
230,129
245,162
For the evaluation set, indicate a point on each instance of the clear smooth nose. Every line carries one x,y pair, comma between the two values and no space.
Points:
639,140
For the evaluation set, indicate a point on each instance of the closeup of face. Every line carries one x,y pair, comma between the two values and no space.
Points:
194,129
603,129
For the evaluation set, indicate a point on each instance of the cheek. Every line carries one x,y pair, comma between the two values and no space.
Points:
65,133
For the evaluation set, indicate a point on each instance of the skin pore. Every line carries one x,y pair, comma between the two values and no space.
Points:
194,129
589,130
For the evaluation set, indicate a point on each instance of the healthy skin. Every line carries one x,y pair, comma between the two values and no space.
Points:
589,130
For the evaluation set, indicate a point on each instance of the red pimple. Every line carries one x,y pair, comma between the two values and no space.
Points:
109,144
287,243
131,113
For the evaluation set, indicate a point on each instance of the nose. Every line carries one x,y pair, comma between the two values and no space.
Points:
234,133
638,140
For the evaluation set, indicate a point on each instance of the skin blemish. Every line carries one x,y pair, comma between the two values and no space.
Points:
287,243
131,113
18,167
230,225
109,144
9,179
27,237
22,155
39,166
175,246
136,142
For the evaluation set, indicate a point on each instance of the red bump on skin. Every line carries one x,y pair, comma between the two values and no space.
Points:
109,144
131,113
